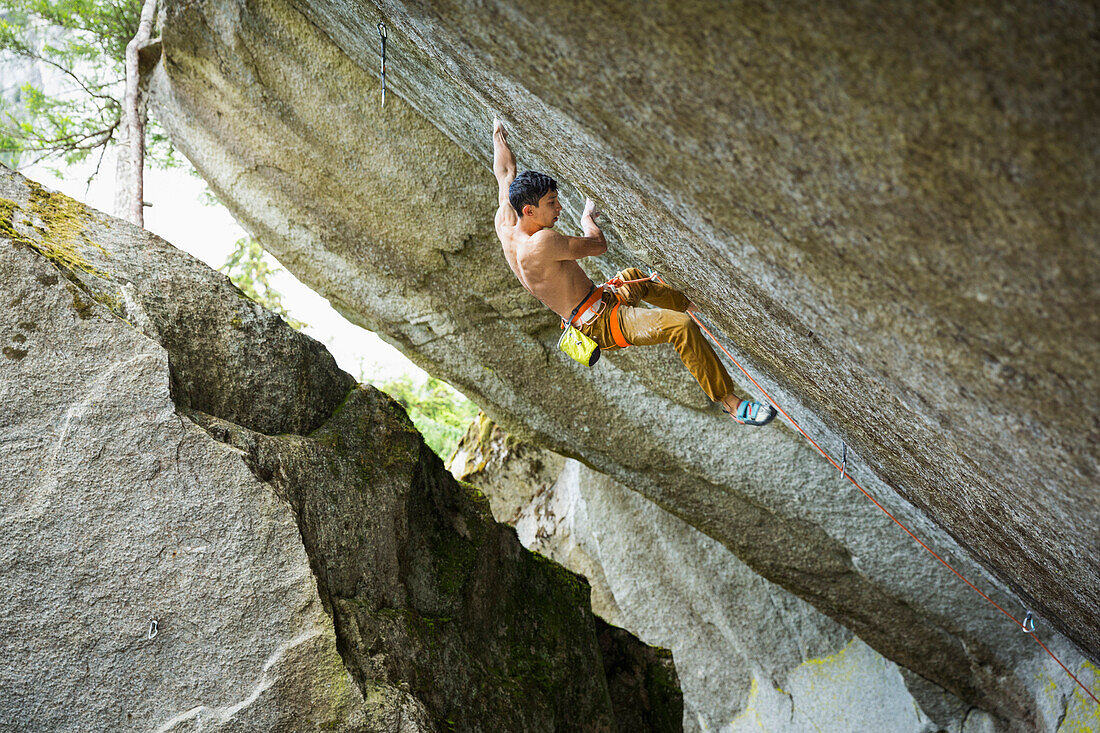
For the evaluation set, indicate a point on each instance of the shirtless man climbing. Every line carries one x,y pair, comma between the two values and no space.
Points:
546,264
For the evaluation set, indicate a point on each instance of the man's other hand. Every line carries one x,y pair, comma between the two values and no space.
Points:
590,210
498,128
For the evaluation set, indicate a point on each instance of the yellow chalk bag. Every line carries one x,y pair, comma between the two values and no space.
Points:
579,347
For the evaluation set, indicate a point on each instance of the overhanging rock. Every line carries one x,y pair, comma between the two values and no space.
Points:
827,276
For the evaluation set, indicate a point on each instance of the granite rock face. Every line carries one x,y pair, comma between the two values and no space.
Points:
154,583
208,525
749,655
863,227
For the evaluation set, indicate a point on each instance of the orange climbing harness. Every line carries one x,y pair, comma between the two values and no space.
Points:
613,324
615,328
588,308
1027,625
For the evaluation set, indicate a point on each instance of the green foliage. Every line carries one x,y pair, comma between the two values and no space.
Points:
438,411
83,41
249,271
100,28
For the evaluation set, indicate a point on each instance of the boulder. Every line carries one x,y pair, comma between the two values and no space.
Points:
154,582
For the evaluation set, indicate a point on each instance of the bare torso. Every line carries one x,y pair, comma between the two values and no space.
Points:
544,261
560,284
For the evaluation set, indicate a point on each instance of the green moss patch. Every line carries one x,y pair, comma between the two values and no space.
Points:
60,222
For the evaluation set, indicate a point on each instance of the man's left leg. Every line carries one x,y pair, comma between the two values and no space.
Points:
659,294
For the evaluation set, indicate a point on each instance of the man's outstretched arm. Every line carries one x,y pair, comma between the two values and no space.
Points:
504,168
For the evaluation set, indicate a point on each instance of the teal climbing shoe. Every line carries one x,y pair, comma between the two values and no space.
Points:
753,413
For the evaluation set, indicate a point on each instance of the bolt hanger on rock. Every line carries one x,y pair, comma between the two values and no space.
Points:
382,33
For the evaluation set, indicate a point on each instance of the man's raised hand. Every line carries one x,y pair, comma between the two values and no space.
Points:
588,222
498,129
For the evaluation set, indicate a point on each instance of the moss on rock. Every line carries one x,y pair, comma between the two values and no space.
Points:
60,223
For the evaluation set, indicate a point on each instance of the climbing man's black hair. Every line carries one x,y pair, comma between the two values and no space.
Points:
528,188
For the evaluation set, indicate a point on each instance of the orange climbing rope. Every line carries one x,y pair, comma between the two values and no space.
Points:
844,472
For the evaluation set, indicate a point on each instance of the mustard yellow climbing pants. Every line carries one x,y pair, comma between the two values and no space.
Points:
666,324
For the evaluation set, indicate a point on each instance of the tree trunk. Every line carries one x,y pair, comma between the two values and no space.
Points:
130,193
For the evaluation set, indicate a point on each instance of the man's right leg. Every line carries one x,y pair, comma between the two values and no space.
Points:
646,326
